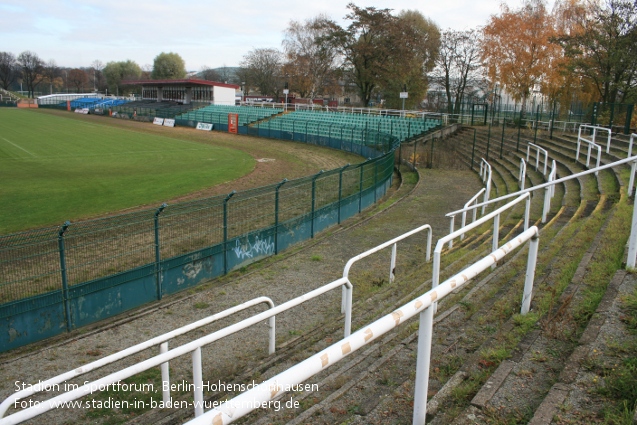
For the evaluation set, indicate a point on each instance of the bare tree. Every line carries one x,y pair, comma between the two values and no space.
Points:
8,69
458,67
263,69
78,78
310,63
50,72
98,78
31,66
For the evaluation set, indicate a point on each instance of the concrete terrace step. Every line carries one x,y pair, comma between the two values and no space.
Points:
361,414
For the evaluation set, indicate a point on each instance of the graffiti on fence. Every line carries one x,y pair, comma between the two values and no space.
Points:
191,270
250,250
324,217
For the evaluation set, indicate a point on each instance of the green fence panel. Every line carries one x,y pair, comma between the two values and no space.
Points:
294,231
247,249
325,217
188,270
31,320
104,298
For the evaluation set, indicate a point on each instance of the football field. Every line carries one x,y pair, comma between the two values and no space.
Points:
54,168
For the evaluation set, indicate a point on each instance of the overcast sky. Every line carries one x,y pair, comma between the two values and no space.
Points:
204,32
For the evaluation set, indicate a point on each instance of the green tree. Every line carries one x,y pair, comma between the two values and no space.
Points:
168,66
117,72
382,52
419,41
603,49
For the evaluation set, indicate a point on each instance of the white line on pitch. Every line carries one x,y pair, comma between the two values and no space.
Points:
19,147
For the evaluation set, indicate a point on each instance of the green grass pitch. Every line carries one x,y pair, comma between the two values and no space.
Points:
54,169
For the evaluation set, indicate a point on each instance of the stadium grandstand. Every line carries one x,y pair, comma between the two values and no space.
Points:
89,101
186,91
146,108
218,114
321,123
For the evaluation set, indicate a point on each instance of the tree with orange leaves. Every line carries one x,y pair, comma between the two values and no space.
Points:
516,48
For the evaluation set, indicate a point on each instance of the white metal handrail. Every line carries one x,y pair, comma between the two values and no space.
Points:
553,176
591,144
538,150
193,347
630,144
347,290
549,193
543,185
161,340
244,403
632,242
486,174
391,243
522,175
472,201
631,183
452,219
595,129
495,215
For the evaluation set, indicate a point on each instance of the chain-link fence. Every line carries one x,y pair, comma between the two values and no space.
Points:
68,276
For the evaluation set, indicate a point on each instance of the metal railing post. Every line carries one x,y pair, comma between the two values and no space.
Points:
165,374
65,283
392,264
632,241
502,141
360,189
517,146
631,183
375,180
537,118
225,230
496,237
425,333
527,213
314,201
340,190
473,149
158,284
530,274
552,123
414,157
276,215
197,381
488,142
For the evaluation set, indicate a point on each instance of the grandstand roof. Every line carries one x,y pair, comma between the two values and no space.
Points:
184,82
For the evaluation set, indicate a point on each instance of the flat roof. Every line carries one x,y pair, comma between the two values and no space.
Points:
182,82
